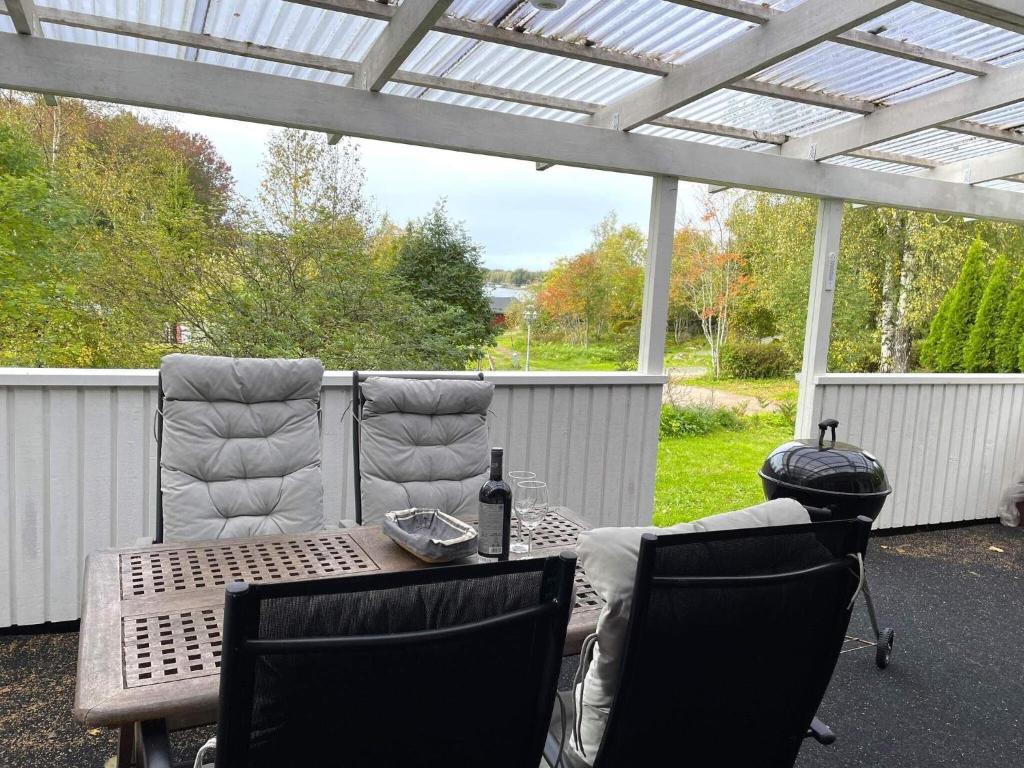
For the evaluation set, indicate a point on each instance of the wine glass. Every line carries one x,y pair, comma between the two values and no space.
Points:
532,508
517,476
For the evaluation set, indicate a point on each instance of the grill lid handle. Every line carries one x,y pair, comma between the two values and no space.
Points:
827,424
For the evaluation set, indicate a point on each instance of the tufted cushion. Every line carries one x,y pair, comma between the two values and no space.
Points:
609,556
240,448
423,443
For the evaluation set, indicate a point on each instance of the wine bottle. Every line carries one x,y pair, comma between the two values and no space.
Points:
495,512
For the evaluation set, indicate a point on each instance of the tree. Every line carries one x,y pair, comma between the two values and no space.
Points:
711,279
596,295
980,355
964,303
1011,331
930,346
438,264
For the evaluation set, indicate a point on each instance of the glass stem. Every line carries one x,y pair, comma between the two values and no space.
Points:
529,541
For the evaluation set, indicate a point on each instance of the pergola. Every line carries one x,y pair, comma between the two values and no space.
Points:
870,101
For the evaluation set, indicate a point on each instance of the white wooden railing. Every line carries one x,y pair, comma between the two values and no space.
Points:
78,463
950,443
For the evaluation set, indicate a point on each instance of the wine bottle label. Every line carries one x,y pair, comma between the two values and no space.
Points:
490,531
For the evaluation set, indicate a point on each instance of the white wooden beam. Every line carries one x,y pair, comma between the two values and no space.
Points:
92,72
999,165
657,271
197,26
810,23
982,131
818,328
934,109
25,18
736,9
802,96
400,37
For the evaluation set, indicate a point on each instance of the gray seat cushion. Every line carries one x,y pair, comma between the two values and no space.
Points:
422,443
240,447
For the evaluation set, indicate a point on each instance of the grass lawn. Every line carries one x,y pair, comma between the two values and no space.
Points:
700,476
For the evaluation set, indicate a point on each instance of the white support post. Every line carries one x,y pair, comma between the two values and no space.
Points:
818,328
657,270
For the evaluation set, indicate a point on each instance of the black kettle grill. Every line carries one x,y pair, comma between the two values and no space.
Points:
835,481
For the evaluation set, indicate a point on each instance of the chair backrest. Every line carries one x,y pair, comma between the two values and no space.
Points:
419,442
732,640
454,666
238,444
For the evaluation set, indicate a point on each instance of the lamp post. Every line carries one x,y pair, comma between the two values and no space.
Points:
529,315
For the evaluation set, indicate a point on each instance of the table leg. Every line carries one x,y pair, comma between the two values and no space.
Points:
126,746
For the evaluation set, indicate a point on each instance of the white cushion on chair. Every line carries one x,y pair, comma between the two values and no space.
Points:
609,556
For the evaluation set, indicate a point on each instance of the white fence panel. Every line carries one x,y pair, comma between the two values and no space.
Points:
950,444
78,463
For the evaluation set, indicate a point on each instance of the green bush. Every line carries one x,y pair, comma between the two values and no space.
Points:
756,361
690,420
855,355
980,355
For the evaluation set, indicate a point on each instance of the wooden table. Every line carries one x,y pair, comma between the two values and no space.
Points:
149,645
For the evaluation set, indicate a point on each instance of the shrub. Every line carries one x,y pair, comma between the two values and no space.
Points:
1011,330
690,420
757,361
964,301
855,355
980,355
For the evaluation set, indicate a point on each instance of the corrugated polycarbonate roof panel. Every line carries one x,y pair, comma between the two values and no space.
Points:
762,113
933,28
176,14
294,27
846,71
872,165
508,67
942,146
108,40
650,28
1010,117
1004,184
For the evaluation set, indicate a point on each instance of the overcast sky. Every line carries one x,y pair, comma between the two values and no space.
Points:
521,217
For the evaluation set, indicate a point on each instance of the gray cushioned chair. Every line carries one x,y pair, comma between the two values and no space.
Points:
419,442
239,447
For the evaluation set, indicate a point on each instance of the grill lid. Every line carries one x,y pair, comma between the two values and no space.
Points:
826,465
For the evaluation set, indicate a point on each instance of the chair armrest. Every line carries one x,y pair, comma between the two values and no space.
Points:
820,732
143,541
154,744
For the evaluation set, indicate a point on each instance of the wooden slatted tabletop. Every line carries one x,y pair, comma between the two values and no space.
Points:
149,645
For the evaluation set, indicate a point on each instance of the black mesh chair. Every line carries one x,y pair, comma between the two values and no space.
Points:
453,666
732,640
